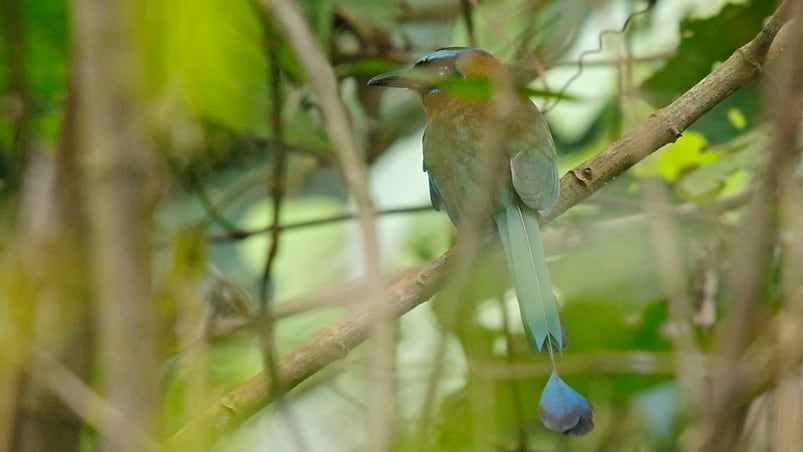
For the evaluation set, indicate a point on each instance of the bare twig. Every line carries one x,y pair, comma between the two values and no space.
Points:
276,187
598,49
265,322
335,341
239,235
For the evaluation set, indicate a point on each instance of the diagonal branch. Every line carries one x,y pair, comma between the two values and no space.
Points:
337,340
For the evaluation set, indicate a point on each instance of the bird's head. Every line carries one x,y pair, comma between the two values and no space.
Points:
454,71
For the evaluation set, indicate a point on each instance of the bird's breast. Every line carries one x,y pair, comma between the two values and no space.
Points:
454,156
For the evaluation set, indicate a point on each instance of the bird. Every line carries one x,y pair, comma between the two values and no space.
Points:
482,134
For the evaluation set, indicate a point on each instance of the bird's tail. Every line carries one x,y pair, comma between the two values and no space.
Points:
521,237
562,409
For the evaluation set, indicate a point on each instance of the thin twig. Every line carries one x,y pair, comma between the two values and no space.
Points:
515,389
586,53
265,322
214,215
244,234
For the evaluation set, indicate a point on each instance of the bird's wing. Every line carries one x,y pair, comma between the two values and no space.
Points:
450,177
533,165
434,194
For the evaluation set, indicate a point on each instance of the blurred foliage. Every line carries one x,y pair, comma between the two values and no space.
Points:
33,76
208,57
704,44
208,68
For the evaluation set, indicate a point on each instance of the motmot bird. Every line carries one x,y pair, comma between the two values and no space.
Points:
472,110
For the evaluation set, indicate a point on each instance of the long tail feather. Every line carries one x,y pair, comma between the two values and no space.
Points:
562,409
521,238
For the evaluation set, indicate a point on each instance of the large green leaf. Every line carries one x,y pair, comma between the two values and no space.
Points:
209,56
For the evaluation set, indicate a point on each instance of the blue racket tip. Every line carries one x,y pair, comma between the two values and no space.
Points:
563,409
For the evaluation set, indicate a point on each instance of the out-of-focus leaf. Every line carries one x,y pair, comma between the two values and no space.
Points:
702,173
189,252
428,236
704,44
209,56
620,269
46,45
672,159
226,365
728,174
43,43
688,151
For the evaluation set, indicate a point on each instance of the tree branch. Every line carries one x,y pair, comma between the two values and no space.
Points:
337,340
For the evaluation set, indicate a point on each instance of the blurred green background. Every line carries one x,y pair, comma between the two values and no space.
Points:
217,77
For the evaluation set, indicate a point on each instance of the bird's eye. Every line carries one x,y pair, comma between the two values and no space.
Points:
444,70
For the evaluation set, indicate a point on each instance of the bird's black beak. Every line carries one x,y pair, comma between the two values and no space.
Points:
415,78
403,78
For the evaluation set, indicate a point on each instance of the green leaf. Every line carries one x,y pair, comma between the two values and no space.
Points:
209,56
689,151
728,174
